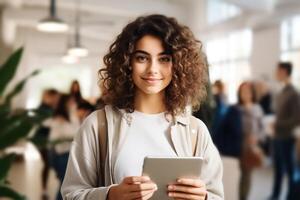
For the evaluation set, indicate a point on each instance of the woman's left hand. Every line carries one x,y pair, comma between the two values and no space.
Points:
188,189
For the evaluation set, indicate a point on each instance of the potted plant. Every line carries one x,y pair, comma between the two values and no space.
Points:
15,124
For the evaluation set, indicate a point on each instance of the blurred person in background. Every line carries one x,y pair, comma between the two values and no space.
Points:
62,131
219,92
265,100
251,155
48,104
221,105
287,109
84,108
76,99
227,124
296,191
75,91
264,96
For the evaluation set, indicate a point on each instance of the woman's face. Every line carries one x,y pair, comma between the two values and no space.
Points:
246,93
151,66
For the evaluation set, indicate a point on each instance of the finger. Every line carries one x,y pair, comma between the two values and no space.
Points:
191,182
139,194
148,196
136,179
186,189
178,195
143,186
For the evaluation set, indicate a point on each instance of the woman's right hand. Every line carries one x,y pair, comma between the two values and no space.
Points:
133,187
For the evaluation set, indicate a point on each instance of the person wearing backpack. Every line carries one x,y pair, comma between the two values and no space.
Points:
154,70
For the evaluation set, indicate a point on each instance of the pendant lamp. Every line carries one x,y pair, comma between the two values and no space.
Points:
52,23
77,49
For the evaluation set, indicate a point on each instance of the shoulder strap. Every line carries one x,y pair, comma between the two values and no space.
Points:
194,133
102,131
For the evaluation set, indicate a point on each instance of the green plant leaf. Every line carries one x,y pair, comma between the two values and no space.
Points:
5,163
8,69
18,88
36,116
13,127
4,111
18,129
10,122
10,193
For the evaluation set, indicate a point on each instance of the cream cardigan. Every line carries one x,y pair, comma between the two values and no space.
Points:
82,180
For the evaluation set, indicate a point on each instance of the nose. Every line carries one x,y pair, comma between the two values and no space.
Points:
153,67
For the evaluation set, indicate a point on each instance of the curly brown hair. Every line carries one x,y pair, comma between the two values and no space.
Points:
189,70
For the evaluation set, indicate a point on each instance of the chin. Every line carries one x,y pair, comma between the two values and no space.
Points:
152,91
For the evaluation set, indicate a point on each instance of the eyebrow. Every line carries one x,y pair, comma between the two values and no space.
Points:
144,52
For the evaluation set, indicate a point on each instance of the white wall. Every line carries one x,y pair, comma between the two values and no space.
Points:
43,52
265,51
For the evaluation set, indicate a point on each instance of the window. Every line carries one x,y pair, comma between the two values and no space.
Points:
290,46
228,58
218,11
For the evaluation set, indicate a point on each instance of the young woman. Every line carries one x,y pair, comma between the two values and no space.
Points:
154,70
251,130
75,91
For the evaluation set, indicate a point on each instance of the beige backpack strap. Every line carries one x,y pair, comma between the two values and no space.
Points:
194,133
102,131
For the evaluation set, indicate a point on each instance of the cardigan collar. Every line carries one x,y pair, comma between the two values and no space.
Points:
182,118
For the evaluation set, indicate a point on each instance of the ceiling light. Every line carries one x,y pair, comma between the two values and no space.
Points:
52,23
70,59
77,49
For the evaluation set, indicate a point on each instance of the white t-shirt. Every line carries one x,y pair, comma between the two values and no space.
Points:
148,135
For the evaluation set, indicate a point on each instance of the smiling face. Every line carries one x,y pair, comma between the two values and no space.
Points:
151,66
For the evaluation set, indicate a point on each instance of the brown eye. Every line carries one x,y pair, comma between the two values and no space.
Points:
141,58
165,59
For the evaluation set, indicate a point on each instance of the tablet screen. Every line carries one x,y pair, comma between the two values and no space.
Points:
164,171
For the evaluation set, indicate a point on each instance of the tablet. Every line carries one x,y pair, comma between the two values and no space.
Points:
165,170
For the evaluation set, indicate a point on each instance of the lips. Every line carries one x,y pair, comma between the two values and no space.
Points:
151,80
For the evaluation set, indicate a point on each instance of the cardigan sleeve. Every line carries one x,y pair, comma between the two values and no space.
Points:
212,168
82,174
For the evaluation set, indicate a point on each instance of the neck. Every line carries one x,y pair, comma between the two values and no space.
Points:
149,103
286,81
248,104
